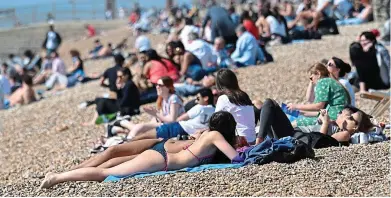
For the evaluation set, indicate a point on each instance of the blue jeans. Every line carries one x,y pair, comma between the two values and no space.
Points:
73,78
167,131
239,64
195,72
351,21
186,89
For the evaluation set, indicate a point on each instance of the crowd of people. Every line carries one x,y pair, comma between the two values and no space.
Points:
200,60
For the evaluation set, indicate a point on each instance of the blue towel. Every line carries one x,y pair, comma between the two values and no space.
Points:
188,169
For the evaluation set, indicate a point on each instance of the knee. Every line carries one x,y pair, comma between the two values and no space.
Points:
112,150
269,103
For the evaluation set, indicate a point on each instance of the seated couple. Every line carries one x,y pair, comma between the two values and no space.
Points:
215,143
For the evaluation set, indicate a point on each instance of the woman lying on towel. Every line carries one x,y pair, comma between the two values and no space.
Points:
208,146
275,124
329,94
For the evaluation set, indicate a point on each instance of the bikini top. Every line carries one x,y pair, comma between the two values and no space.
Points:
201,160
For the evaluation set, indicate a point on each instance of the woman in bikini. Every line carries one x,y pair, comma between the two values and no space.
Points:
208,146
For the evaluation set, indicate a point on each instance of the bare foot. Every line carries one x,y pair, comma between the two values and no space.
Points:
48,181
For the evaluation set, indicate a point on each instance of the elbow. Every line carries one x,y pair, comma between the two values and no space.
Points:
320,105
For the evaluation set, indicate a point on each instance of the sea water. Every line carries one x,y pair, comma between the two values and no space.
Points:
28,11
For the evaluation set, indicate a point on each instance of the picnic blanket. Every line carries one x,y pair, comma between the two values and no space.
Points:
188,169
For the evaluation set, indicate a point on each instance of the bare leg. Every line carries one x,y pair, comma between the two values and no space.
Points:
149,161
141,128
127,124
116,161
316,18
126,149
151,134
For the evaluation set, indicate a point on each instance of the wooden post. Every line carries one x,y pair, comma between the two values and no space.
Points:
112,6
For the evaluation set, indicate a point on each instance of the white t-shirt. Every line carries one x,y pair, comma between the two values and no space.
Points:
184,36
142,43
199,117
349,87
203,51
244,117
173,99
275,26
328,10
50,42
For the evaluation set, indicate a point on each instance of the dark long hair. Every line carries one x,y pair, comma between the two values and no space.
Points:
224,123
343,67
126,72
152,55
370,36
276,13
227,82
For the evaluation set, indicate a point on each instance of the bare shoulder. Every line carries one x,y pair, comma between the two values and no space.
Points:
213,135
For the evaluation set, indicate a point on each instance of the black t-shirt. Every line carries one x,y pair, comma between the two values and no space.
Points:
128,98
367,67
111,74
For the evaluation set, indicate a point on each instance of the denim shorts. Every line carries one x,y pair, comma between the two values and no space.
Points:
167,131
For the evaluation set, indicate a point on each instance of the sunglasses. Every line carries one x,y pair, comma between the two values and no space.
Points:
160,85
120,76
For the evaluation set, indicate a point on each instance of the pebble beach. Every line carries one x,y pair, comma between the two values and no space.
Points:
31,144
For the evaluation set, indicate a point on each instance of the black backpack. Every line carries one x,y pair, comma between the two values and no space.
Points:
316,139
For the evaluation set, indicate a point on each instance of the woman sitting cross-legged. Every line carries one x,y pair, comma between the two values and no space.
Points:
127,101
188,123
329,94
169,108
275,124
206,147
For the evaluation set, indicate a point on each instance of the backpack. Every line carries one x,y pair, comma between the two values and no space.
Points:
316,139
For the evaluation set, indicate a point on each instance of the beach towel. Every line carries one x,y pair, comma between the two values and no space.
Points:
188,169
